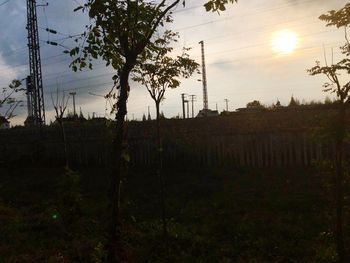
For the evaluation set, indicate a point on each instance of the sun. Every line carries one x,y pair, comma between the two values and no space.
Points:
284,41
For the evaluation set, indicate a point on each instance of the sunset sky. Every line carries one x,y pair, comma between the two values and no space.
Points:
255,50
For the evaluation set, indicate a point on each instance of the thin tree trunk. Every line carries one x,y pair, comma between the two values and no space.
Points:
339,192
64,141
114,244
159,172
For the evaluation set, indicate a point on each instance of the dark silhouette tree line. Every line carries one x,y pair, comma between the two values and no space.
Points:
339,19
122,33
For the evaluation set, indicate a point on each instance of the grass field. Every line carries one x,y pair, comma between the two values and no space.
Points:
250,216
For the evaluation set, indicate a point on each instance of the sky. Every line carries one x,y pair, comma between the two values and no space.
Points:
242,63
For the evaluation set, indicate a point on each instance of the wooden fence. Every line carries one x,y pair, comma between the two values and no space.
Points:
241,150
206,142
238,150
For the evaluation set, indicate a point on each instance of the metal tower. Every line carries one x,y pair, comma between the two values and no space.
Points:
204,79
36,89
74,112
29,93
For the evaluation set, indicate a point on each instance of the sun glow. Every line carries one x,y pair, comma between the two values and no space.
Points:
284,41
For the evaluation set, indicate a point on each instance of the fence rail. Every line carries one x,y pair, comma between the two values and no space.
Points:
254,140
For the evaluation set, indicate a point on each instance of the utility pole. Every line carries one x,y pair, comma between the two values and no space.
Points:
149,115
183,105
226,100
204,79
193,98
37,94
73,94
188,110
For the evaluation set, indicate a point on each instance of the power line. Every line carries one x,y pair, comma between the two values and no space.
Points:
70,36
46,58
5,2
249,30
262,44
210,53
101,65
236,93
45,16
60,33
83,79
97,65
186,9
88,86
111,82
230,17
266,57
259,10
243,34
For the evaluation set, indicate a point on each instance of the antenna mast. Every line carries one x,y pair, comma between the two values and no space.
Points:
36,96
204,79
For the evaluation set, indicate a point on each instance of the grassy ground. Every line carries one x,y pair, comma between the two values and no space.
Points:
220,215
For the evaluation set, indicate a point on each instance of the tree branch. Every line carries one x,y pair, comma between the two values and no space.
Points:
157,21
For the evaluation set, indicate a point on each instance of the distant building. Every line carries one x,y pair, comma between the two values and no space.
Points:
4,123
226,113
72,119
207,113
250,109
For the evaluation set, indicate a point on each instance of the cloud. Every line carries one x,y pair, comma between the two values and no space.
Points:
324,5
59,16
235,43
7,73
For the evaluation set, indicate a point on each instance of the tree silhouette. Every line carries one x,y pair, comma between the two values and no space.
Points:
255,104
121,33
293,102
217,5
332,71
158,73
8,103
60,106
278,104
